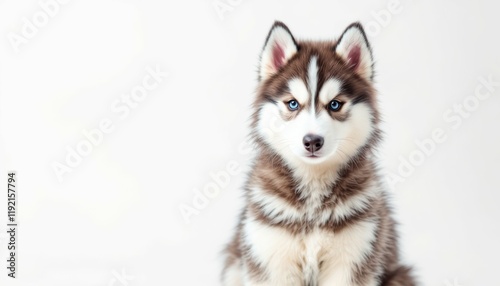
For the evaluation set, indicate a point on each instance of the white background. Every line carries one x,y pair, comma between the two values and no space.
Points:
118,210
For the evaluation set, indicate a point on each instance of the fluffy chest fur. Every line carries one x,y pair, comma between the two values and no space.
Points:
315,257
310,238
308,232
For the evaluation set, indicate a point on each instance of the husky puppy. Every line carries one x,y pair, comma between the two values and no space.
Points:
316,209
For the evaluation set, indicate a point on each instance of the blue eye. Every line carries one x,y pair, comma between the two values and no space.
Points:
335,105
293,105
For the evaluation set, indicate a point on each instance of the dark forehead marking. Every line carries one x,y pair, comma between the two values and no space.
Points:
329,65
325,58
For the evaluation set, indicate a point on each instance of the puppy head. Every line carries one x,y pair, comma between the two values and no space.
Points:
316,102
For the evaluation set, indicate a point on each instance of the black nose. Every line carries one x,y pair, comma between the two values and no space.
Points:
313,143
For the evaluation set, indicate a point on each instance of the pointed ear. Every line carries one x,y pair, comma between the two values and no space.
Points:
280,46
354,48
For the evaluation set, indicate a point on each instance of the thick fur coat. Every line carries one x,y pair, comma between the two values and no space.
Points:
316,210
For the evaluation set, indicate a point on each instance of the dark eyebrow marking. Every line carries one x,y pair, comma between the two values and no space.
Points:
283,89
269,98
355,95
347,88
274,94
360,98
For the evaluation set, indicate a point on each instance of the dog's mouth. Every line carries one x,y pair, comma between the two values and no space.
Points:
312,155
318,156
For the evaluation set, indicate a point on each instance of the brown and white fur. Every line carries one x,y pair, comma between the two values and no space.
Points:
315,216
